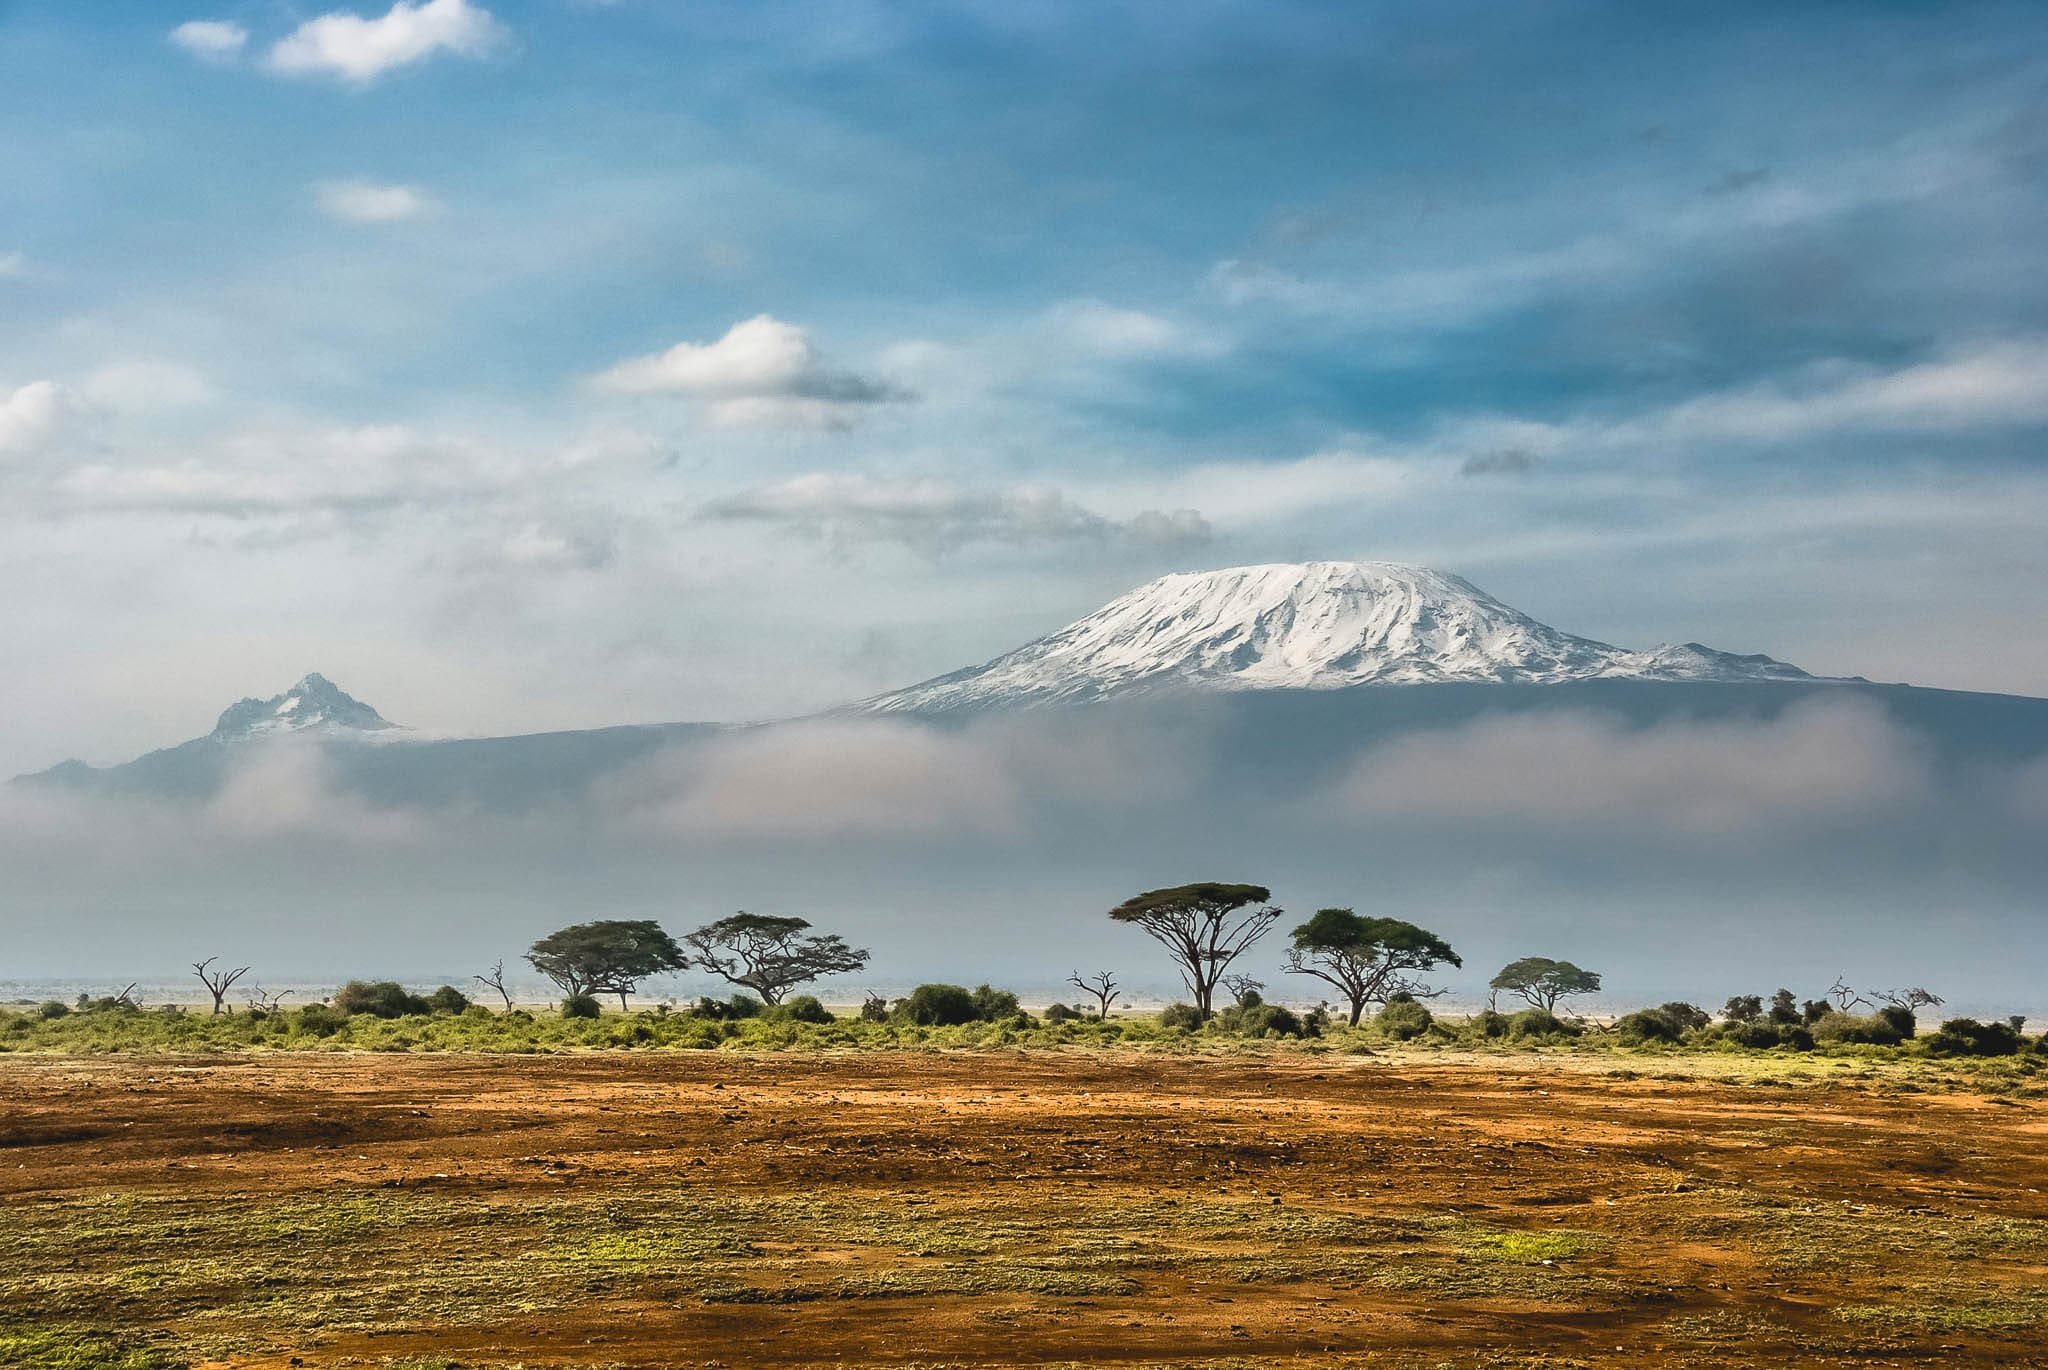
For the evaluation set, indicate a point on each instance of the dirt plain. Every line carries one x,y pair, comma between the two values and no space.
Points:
997,1208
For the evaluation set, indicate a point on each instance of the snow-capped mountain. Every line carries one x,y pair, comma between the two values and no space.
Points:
1319,625
315,705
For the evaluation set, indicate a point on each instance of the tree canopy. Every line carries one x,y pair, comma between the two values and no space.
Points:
1204,926
609,956
769,954
1367,960
1544,983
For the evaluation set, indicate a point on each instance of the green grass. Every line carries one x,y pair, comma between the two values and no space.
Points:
178,1030
71,1349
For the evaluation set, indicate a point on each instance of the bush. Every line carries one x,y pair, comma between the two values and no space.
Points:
1259,1019
1186,1017
1968,1037
53,1008
729,1010
1688,1017
1647,1025
1060,1013
378,999
804,1008
581,1006
1902,1020
1491,1023
1403,1019
994,1005
874,1009
939,1006
1873,1030
447,999
318,1020
1540,1022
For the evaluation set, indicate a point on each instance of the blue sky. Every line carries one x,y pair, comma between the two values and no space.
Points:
557,363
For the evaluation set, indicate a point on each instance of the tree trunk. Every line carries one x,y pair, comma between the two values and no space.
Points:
622,1001
1357,1011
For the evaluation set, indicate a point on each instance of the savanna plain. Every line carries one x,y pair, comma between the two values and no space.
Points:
1183,1202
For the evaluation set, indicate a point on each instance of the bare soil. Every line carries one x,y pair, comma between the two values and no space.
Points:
1011,1208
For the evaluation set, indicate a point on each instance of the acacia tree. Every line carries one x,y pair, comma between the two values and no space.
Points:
1544,983
609,956
1102,985
1204,927
217,982
769,955
1367,960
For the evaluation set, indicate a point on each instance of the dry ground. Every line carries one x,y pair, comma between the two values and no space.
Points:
1006,1208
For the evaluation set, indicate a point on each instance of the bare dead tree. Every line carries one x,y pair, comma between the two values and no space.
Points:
496,980
126,998
218,982
1242,987
263,1001
1102,985
1908,999
1844,997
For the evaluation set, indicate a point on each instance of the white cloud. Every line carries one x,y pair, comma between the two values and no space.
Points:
372,202
272,472
30,414
762,372
358,50
1106,330
13,265
937,516
211,40
1995,383
144,386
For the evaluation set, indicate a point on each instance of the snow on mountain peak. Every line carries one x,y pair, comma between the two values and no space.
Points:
1316,625
315,704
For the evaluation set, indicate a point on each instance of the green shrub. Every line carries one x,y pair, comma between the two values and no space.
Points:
318,1020
581,1006
1491,1023
804,1008
938,1006
728,1010
1688,1017
1647,1025
1403,1019
1968,1037
447,999
1902,1020
53,1008
1852,1028
994,1005
378,999
1060,1013
1186,1017
1259,1019
874,1009
1540,1022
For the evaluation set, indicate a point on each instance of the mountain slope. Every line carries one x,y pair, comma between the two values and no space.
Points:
1318,625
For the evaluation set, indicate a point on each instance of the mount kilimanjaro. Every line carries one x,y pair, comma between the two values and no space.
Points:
1285,666
1321,625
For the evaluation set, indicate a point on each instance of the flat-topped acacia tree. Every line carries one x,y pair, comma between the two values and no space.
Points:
1543,983
609,956
1367,960
1204,927
769,954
